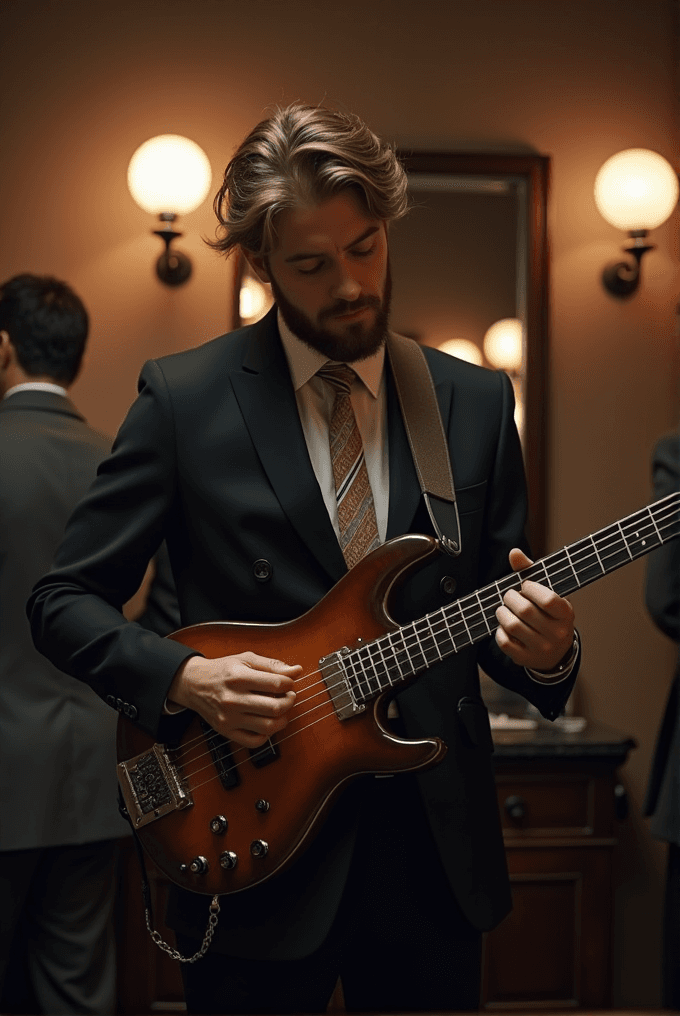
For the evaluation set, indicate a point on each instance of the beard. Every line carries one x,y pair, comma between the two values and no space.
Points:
358,339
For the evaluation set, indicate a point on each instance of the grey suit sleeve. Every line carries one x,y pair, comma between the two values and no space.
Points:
662,585
75,610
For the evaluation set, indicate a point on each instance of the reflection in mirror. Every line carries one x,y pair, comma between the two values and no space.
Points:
469,269
469,266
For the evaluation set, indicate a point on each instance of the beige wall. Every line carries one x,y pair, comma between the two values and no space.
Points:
83,83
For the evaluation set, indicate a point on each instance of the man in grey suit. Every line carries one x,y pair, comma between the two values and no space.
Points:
662,595
59,822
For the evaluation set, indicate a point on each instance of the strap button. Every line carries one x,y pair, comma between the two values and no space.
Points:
262,570
448,585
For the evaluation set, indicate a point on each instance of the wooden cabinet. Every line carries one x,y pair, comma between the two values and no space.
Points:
557,795
560,803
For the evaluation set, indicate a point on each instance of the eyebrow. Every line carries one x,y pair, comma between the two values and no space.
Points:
364,236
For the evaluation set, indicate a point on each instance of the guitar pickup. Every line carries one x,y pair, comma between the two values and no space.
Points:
151,786
223,759
264,755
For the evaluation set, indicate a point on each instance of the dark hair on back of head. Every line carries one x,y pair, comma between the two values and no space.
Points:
303,153
47,324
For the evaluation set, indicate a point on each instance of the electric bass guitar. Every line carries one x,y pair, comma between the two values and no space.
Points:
218,818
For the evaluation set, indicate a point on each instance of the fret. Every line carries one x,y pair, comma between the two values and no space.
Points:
354,674
383,660
418,656
571,565
401,654
546,573
488,629
475,625
653,521
447,636
624,540
599,559
433,636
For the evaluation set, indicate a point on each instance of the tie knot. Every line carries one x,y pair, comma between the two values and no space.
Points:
339,375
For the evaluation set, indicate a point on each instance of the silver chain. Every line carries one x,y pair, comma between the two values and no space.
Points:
207,938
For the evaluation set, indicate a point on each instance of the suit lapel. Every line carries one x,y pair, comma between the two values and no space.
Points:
266,398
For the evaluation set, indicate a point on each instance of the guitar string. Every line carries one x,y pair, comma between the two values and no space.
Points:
281,740
323,686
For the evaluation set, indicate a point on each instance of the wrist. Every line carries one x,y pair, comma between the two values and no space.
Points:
563,669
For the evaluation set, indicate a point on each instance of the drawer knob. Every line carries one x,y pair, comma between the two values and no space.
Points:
515,808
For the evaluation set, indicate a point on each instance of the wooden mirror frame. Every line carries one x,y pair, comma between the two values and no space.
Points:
534,170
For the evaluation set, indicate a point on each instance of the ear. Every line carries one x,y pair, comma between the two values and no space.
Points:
258,266
6,350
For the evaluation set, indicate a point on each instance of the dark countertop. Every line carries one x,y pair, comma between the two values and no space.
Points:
550,741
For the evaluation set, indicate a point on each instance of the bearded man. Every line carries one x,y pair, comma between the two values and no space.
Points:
229,455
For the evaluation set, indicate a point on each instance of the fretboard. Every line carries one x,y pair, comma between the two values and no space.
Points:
392,658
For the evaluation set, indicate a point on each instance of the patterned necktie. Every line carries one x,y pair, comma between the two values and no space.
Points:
356,510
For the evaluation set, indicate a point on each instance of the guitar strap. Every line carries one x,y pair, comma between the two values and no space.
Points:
426,437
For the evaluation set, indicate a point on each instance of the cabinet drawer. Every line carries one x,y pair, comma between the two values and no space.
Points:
538,806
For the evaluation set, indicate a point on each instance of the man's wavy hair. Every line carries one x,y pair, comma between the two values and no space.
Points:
303,154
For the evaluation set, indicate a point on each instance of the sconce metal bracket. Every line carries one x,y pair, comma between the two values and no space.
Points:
623,277
173,267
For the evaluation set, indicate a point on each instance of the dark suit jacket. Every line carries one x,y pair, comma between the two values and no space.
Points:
212,457
662,595
57,757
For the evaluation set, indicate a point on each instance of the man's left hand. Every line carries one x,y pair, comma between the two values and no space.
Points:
536,625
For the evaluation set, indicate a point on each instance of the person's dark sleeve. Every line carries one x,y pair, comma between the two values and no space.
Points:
662,583
75,610
161,612
505,529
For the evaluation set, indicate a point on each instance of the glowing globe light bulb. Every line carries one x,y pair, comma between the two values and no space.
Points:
463,349
503,344
636,189
169,173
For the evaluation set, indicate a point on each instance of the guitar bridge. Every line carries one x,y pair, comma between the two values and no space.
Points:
151,786
338,686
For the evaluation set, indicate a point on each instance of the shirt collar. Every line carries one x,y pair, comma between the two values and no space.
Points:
304,361
36,386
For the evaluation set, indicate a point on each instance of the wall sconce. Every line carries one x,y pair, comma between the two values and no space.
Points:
167,176
635,190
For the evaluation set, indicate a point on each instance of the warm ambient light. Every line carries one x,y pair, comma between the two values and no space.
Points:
635,190
169,175
504,343
463,349
253,300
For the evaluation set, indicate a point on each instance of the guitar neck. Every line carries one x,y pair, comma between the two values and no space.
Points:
391,659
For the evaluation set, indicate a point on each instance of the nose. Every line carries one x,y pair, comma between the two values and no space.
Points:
346,286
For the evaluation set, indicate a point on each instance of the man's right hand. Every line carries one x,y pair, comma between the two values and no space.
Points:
246,698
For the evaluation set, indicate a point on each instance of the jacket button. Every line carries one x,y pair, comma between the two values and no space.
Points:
119,705
448,585
262,570
130,711
111,701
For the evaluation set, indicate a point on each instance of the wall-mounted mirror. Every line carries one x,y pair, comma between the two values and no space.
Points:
471,253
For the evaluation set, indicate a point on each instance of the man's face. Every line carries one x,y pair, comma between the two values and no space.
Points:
330,276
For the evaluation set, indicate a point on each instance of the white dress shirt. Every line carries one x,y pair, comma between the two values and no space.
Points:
315,399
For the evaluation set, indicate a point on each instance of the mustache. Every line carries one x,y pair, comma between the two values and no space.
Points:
349,306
